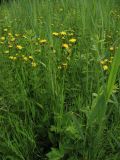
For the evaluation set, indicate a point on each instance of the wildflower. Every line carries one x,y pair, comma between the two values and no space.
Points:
70,34
19,47
63,38
2,38
65,45
10,46
25,58
105,67
72,40
9,34
31,57
55,34
12,57
43,41
105,60
63,33
12,39
102,62
34,64
111,48
17,35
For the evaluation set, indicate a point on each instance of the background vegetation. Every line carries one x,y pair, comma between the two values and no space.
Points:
60,80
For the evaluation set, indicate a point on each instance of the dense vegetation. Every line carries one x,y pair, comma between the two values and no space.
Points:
60,80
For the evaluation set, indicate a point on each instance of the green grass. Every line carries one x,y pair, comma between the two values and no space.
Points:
60,103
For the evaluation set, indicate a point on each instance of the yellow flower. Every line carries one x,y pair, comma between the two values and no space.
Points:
31,57
25,58
72,40
17,35
105,60
19,47
12,57
70,34
111,48
63,33
10,46
65,45
9,34
102,62
105,67
43,41
12,39
55,34
62,38
34,64
2,38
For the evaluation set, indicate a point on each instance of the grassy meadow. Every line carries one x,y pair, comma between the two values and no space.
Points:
60,80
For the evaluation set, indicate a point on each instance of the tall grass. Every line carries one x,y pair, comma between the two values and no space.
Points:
61,114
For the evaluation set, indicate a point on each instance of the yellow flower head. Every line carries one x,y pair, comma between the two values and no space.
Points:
31,57
43,41
70,34
65,45
111,48
105,60
63,33
12,58
25,58
34,64
19,47
102,62
2,38
12,39
72,40
10,46
9,34
105,67
55,34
